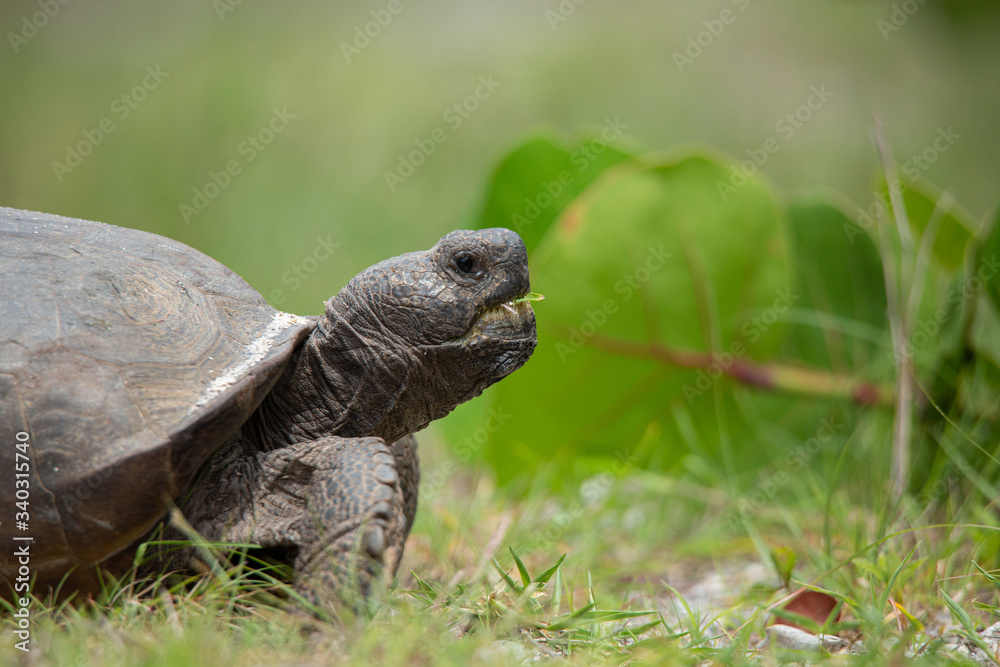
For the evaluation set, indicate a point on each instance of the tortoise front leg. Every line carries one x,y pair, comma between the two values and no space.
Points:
337,509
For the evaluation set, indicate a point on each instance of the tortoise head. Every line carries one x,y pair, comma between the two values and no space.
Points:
428,330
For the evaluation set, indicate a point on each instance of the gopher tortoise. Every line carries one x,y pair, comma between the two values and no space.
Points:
137,373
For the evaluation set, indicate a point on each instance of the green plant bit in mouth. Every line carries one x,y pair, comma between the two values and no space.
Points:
530,296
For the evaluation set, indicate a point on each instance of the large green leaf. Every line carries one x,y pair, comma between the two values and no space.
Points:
947,297
936,213
644,254
929,211
987,261
536,181
927,275
953,337
840,320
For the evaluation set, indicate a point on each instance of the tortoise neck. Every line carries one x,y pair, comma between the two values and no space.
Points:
345,380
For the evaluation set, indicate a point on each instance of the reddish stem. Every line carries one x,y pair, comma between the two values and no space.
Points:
779,377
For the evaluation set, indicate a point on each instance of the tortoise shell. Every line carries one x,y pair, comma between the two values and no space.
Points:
127,359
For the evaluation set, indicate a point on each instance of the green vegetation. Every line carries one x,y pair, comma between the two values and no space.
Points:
764,366
773,471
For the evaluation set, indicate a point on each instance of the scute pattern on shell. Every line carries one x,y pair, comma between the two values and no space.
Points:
108,337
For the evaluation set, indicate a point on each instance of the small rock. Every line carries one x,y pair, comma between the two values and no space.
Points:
787,637
974,654
833,643
991,636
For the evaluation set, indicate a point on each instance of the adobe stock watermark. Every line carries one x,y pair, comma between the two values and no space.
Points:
914,168
247,151
625,287
562,12
224,7
901,13
121,108
786,127
21,549
83,491
580,159
364,34
921,162
592,491
704,39
751,331
928,329
33,23
465,450
454,117
795,461
304,269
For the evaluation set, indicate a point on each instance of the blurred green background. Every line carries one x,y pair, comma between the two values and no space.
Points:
213,74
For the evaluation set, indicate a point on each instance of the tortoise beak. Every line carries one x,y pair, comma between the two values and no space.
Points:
511,323
512,267
503,317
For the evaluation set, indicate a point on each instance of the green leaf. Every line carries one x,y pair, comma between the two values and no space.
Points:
585,616
931,211
960,615
557,586
987,260
659,254
576,618
784,562
968,629
840,318
424,586
545,576
945,301
883,599
507,579
530,296
963,378
914,621
992,577
525,577
537,180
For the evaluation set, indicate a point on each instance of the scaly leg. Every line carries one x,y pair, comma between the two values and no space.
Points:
337,509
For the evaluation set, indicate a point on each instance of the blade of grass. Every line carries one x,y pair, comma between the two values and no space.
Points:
545,576
522,570
968,627
506,577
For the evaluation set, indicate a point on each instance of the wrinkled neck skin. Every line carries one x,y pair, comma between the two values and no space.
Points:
404,342
351,378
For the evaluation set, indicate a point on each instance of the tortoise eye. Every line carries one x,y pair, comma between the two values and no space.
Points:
467,264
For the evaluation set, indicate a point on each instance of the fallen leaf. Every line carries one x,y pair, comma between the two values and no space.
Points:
813,605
